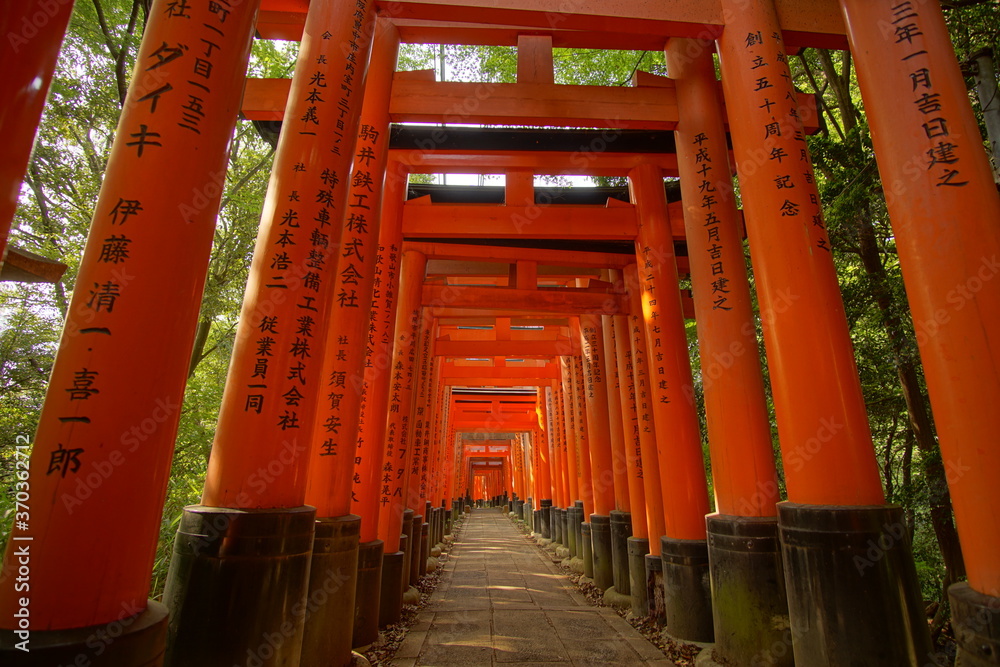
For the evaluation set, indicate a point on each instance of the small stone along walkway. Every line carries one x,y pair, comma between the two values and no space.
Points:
502,602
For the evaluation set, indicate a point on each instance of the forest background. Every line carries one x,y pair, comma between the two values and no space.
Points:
74,140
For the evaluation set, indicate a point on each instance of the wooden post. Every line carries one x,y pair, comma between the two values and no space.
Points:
594,389
944,209
744,530
334,460
261,452
400,400
368,490
101,455
33,32
829,462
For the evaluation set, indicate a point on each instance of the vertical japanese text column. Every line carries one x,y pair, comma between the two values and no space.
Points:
256,482
332,464
621,519
89,507
684,549
401,388
540,445
637,544
595,392
371,475
944,209
829,462
644,555
743,546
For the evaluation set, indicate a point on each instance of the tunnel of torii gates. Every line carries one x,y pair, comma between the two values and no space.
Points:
403,351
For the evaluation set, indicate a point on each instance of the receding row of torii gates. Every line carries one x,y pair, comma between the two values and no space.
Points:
391,362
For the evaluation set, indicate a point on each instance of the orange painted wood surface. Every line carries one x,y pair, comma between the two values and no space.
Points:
100,462
820,411
949,248
634,24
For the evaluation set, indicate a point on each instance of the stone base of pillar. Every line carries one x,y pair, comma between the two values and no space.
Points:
748,591
545,526
366,599
587,553
853,597
638,548
600,538
390,605
133,641
686,589
621,530
406,543
425,547
416,550
574,516
407,549
655,605
333,582
976,620
559,518
220,558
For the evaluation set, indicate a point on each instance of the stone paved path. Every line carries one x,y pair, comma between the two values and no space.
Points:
501,602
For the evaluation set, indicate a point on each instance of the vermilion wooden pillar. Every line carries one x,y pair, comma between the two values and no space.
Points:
621,519
582,432
559,444
743,544
644,555
684,549
571,426
33,32
543,469
415,491
91,499
378,357
333,460
637,544
338,449
402,386
260,455
584,542
594,387
835,497
944,208
551,446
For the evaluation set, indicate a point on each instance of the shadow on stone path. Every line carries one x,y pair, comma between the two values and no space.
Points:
501,602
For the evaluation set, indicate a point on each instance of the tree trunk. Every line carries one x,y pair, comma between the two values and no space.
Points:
916,407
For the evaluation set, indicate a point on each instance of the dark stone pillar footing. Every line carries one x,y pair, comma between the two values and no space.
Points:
621,530
416,549
390,607
139,640
655,606
638,548
333,581
853,597
600,537
368,595
976,620
543,519
748,591
687,593
222,557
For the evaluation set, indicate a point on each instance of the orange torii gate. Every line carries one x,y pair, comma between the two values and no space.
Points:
944,217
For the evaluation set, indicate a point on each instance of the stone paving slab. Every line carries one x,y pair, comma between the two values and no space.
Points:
502,602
